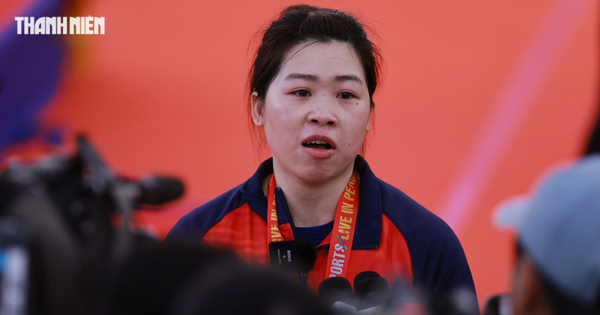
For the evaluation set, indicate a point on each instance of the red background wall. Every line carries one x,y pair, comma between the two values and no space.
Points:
478,98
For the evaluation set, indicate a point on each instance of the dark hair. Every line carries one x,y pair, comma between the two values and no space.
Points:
248,290
301,23
148,281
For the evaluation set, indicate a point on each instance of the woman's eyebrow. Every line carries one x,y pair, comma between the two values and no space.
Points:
348,77
303,76
314,78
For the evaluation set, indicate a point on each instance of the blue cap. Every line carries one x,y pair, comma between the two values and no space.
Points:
559,227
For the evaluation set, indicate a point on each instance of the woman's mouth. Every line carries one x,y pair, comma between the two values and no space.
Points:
317,145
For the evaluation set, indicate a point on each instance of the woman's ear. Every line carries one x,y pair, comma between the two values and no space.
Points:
369,122
257,105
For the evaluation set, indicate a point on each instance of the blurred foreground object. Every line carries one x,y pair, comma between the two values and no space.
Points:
558,227
372,295
247,290
498,305
58,239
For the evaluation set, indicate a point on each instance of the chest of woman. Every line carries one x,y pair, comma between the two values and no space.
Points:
244,232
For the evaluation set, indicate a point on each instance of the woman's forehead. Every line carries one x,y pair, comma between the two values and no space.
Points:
323,60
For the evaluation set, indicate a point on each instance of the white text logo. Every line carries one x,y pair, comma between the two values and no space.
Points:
57,25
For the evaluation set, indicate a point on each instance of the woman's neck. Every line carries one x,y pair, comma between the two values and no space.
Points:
312,204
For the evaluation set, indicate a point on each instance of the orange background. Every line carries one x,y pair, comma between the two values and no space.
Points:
163,91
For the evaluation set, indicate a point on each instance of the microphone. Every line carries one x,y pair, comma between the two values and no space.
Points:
306,256
290,256
408,300
336,293
371,289
362,282
157,190
460,300
464,301
498,305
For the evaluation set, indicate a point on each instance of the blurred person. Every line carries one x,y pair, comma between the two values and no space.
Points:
310,93
558,248
151,279
247,290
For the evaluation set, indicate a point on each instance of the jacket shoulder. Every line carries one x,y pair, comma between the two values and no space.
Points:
195,224
411,217
439,262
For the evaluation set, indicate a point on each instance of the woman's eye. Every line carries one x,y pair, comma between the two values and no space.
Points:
302,93
346,95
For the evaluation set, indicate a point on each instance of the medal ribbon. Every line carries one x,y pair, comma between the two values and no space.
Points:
342,235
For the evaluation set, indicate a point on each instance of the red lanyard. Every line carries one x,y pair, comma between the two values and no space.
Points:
342,235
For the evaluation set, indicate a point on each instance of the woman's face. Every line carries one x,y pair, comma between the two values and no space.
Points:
316,112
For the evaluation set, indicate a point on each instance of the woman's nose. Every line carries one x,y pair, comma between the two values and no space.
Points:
322,113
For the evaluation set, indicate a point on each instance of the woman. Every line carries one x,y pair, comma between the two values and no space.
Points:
312,85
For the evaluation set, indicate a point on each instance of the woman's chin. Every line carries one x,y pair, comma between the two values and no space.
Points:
321,174
317,170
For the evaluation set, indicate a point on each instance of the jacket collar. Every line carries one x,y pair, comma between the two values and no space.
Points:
368,223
